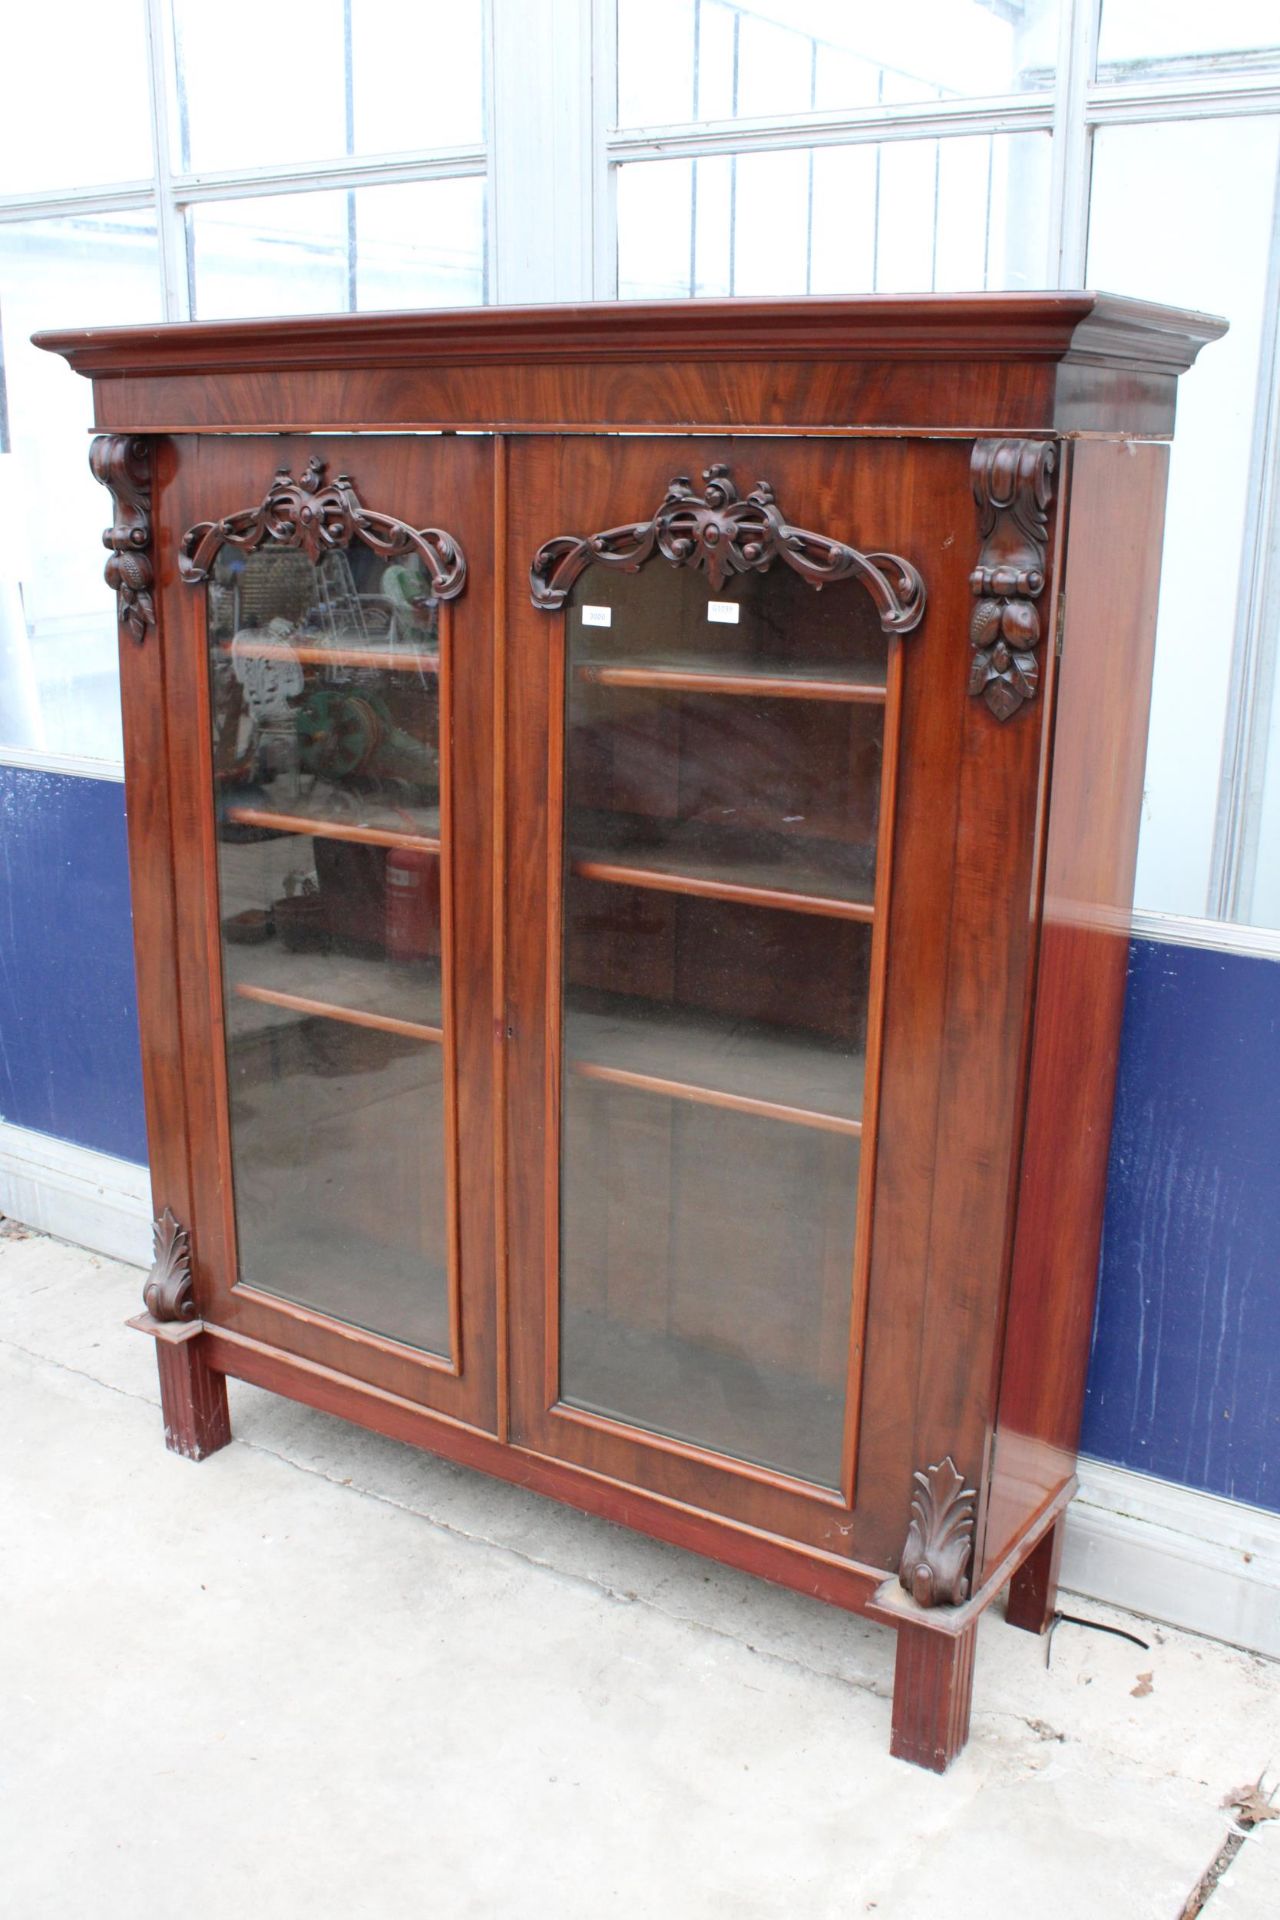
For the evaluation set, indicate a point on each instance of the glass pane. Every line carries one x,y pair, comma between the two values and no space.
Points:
1147,38
420,245
723,770
690,60
59,70
288,99
908,216
1206,190
326,728
59,680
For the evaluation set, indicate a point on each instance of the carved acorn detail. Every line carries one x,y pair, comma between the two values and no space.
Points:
122,462
1013,486
934,1567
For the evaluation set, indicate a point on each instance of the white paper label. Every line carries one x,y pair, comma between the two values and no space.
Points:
597,616
725,610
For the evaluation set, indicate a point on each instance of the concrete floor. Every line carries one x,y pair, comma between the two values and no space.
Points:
323,1675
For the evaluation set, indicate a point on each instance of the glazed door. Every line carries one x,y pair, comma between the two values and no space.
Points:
328,647
704,726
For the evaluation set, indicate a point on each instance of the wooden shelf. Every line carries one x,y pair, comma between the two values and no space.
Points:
327,829
392,660
712,673
745,1066
393,996
296,1003
755,869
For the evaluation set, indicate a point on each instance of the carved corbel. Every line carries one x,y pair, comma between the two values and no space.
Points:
1013,486
934,1567
167,1292
122,462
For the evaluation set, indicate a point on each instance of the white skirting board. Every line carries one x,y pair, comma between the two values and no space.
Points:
75,1194
1187,1558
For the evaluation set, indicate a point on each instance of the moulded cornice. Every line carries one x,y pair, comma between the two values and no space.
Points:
1089,328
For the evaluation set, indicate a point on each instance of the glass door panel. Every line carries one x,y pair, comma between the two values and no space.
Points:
724,758
325,696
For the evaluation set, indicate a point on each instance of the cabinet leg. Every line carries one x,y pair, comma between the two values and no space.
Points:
1033,1591
932,1693
193,1399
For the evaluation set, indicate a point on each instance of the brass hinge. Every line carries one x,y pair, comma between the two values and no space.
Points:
1062,621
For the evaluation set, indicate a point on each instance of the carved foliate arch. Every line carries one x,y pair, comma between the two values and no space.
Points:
316,517
720,534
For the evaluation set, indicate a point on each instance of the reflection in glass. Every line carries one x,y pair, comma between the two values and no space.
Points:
355,79
59,679
325,683
416,245
698,60
59,68
1207,189
950,215
723,759
1137,41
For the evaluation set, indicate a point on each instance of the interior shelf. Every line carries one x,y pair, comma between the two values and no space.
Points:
328,828
398,997
737,674
780,1073
761,869
392,659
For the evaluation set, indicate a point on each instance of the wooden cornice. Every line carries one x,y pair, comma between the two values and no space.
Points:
1087,329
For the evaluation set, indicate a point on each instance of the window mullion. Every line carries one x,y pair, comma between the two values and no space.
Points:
170,225
541,144
1072,145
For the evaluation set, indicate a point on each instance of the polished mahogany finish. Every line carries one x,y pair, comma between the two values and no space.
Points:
631,924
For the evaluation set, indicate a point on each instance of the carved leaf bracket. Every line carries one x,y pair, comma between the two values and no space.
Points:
720,534
122,463
318,517
167,1292
934,1567
1013,486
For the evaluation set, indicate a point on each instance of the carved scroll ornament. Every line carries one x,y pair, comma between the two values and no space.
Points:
318,517
721,534
1013,485
167,1293
123,464
934,1567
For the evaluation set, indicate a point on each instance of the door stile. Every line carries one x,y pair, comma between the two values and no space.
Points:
190,767
449,1011
558,640
876,993
500,1023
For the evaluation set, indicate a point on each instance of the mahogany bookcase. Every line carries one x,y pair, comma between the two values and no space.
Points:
632,814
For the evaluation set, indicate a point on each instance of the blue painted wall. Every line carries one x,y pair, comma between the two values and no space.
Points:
1185,1380
1185,1376
68,1008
